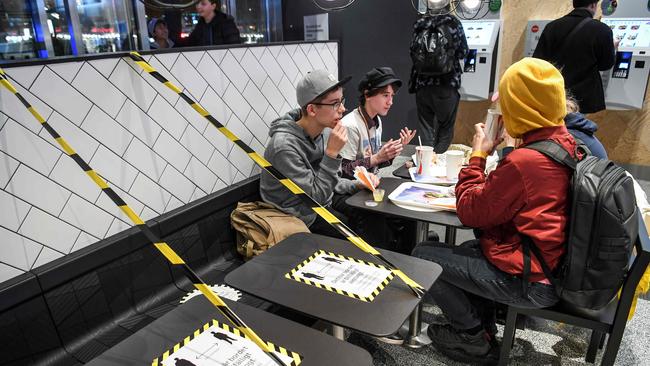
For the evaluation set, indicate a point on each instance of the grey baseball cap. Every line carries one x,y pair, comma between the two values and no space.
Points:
316,84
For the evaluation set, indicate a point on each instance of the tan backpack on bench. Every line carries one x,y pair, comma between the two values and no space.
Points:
260,225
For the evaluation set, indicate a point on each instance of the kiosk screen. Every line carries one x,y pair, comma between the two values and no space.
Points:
470,61
632,33
479,33
622,65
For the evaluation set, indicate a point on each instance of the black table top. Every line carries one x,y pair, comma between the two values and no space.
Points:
386,207
402,172
263,276
316,348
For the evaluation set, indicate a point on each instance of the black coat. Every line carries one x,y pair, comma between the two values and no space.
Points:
590,50
221,30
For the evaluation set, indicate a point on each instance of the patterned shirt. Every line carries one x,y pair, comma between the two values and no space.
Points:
364,140
459,43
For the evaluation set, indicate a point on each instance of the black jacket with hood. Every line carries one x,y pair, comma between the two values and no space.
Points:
221,30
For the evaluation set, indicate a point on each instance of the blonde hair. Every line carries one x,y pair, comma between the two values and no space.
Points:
571,104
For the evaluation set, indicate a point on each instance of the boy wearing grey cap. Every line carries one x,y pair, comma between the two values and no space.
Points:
299,150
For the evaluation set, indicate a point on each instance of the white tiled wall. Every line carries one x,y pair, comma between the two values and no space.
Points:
152,148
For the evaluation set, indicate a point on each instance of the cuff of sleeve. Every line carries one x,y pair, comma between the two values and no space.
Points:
331,164
479,154
477,161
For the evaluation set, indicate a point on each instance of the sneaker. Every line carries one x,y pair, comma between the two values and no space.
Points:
446,337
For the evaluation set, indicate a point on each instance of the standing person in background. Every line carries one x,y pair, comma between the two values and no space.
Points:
580,47
364,148
214,27
160,33
435,76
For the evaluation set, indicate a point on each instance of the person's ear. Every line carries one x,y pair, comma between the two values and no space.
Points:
311,110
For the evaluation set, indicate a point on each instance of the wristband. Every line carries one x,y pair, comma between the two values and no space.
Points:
479,154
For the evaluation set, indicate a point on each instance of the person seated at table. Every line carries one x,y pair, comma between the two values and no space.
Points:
378,88
527,195
298,150
580,127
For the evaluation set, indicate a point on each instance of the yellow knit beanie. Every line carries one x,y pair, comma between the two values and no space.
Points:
532,96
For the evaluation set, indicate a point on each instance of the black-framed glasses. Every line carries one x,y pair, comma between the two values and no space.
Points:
336,105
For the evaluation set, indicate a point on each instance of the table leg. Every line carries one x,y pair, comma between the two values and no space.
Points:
421,232
450,235
338,332
416,336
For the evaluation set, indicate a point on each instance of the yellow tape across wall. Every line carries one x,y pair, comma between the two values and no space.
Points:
162,247
288,183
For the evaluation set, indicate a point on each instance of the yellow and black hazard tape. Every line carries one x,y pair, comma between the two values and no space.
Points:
288,183
163,247
296,359
292,275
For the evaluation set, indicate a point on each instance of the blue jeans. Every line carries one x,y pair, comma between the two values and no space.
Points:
469,284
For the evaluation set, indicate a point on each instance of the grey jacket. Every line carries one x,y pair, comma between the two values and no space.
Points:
303,160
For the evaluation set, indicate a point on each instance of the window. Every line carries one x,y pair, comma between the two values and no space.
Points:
104,25
57,24
17,32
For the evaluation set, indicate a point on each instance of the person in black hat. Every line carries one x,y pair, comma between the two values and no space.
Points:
580,47
364,148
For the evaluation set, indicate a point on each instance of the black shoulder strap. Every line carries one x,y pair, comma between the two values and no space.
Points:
554,151
580,144
528,246
567,40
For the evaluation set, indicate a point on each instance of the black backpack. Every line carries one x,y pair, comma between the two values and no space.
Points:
432,50
603,227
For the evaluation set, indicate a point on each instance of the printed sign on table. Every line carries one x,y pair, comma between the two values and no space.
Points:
220,344
344,275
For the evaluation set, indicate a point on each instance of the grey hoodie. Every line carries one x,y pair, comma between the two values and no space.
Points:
303,160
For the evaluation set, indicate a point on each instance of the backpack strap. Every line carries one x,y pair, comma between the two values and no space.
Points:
580,145
567,41
528,246
554,151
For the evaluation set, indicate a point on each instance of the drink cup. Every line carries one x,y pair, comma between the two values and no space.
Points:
493,124
425,160
454,163
378,195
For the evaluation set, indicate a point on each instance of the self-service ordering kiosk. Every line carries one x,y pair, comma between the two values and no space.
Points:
480,65
533,32
625,85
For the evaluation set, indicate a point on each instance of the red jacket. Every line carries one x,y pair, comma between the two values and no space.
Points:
528,193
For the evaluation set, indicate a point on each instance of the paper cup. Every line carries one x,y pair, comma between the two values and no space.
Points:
493,125
454,163
424,155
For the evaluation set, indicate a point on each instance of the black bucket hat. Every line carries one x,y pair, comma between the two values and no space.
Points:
377,78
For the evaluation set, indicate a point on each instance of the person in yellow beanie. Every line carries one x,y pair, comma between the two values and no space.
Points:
526,195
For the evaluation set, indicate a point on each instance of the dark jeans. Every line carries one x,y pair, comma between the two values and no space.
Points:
377,230
437,107
469,282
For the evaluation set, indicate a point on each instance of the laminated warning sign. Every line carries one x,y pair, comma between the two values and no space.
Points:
216,343
343,275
